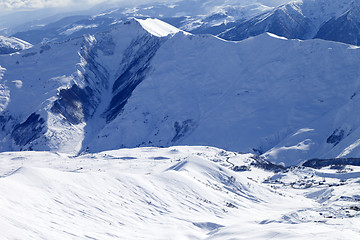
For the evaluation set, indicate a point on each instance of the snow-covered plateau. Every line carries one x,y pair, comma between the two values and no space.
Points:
173,193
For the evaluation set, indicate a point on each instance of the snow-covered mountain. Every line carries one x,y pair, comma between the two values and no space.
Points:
190,15
146,83
121,126
231,20
343,28
335,20
287,20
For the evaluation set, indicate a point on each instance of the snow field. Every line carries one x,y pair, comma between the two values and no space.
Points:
150,193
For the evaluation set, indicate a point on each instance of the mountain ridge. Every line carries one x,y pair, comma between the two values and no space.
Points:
304,19
121,93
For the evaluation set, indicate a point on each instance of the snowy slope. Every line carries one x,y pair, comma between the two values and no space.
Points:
174,193
158,28
12,44
32,79
252,97
146,83
343,28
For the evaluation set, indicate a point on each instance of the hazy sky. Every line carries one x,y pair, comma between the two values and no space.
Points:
17,12
6,5
15,4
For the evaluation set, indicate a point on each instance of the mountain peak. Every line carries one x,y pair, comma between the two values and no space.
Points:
158,28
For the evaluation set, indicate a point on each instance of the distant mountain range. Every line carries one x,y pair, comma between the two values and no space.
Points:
336,20
330,20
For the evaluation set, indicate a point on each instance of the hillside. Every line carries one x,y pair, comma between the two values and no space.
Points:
133,86
175,193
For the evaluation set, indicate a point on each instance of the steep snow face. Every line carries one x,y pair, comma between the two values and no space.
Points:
32,79
11,44
78,84
178,192
257,93
158,28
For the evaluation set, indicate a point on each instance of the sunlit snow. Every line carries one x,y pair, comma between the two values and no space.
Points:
171,193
